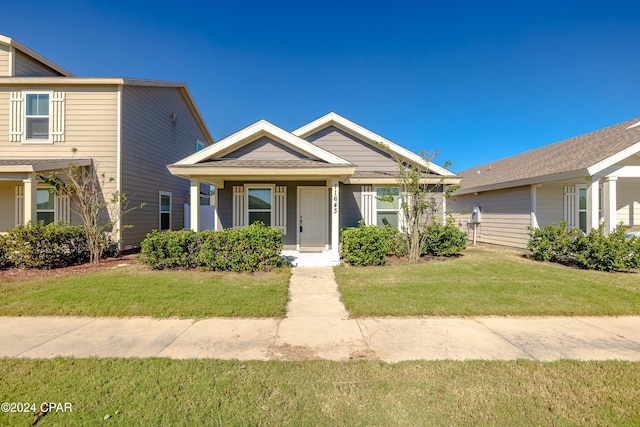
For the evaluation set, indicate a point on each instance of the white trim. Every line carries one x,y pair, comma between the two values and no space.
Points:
612,160
16,116
255,131
35,141
57,114
248,187
368,136
238,206
19,211
160,211
120,230
280,208
368,204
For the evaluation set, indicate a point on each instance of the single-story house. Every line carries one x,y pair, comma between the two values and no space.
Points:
586,180
310,182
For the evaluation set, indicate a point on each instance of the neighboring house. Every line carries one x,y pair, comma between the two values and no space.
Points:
584,181
310,182
126,129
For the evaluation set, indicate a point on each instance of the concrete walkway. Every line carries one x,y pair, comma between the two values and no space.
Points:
317,326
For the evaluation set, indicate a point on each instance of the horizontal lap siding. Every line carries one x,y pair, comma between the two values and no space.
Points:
150,141
550,203
360,153
506,214
628,198
7,204
265,148
350,212
28,67
4,61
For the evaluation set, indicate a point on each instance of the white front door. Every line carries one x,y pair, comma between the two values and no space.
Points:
312,218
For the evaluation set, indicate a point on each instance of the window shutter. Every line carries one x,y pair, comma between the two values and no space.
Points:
19,205
57,117
570,206
368,204
63,209
280,208
239,210
16,116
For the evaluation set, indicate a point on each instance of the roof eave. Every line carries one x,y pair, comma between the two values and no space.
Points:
579,173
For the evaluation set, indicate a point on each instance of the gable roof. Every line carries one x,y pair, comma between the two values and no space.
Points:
34,55
580,156
372,138
257,130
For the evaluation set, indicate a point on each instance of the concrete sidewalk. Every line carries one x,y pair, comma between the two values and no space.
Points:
317,326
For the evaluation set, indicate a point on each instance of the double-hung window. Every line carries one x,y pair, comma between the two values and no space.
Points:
388,206
37,116
582,207
46,206
259,204
165,211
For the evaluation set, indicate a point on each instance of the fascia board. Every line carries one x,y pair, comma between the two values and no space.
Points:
388,181
369,137
193,171
612,160
34,55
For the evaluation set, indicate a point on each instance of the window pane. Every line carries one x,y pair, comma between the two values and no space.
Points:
387,218
265,217
386,192
45,200
165,221
165,203
38,104
47,217
259,198
37,128
583,198
582,217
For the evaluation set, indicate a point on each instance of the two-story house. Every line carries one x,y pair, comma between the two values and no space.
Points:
127,129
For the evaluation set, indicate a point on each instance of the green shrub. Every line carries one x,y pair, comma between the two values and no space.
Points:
370,244
443,239
5,262
553,242
46,246
253,248
171,249
607,253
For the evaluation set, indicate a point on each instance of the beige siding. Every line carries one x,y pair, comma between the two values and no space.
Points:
506,214
5,70
7,204
90,127
356,151
628,201
26,66
265,148
150,141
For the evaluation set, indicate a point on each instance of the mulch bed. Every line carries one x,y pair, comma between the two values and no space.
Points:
105,264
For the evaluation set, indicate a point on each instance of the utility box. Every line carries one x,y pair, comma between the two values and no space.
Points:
476,215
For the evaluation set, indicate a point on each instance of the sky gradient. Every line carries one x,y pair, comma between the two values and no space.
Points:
476,81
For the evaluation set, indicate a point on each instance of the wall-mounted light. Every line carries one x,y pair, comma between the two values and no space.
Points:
174,117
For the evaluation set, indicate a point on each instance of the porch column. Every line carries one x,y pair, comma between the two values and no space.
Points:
335,220
593,204
30,199
534,206
609,193
194,194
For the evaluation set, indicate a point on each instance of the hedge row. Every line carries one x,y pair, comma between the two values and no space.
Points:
593,250
252,248
371,244
37,245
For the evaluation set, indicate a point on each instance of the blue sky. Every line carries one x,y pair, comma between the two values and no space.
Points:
477,81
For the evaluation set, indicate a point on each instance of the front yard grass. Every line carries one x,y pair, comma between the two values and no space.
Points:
486,282
137,291
359,393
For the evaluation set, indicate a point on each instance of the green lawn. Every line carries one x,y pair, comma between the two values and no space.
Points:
137,291
163,392
484,282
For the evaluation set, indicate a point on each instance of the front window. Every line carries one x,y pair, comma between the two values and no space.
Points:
387,206
46,206
165,211
582,208
259,205
37,116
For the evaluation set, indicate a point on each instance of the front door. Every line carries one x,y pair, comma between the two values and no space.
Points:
312,218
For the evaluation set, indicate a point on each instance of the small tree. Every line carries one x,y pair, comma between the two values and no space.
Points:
99,215
418,202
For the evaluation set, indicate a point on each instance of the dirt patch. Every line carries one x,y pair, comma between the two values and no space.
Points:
105,264
289,352
364,355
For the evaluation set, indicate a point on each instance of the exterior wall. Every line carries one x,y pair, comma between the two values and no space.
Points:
264,148
7,204
350,211
90,127
356,151
628,202
26,66
150,141
506,214
5,71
